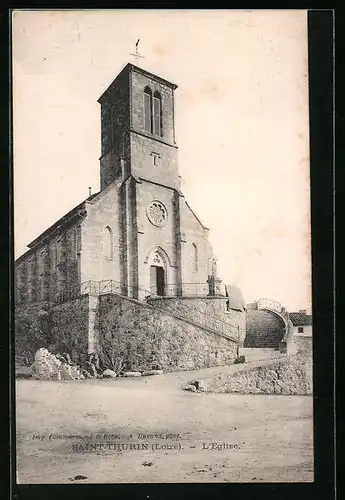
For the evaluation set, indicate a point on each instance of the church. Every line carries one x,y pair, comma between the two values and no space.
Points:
137,238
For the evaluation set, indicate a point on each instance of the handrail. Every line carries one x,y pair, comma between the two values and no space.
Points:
92,287
114,287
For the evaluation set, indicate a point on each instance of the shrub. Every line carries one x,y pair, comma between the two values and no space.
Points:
109,357
32,331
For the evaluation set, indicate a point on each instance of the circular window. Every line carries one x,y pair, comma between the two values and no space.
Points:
157,213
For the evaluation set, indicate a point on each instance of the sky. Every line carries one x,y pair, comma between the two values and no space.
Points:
242,127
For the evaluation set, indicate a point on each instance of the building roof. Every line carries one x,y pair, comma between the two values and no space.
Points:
300,318
77,210
235,298
62,221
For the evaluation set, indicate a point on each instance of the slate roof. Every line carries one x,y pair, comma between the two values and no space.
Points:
300,319
235,297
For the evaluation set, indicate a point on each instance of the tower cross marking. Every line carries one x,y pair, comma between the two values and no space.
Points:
136,54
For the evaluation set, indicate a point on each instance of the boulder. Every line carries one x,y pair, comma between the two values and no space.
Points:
109,374
47,366
132,374
190,388
152,372
199,384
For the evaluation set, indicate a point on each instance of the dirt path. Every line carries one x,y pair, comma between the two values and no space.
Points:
257,438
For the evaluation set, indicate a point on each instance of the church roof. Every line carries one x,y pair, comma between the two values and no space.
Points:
77,210
235,298
197,218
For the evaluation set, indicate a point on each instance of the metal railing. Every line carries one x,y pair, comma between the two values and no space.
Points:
99,288
270,304
111,286
281,311
189,290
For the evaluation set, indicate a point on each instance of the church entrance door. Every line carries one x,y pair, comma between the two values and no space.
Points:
157,279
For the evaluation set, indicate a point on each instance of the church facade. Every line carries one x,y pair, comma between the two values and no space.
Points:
133,263
139,230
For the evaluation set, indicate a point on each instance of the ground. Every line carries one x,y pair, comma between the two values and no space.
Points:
260,438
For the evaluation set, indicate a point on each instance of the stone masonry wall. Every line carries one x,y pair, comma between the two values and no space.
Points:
51,267
209,311
70,327
103,212
290,375
146,337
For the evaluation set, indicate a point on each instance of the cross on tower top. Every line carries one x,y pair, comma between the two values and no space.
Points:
137,55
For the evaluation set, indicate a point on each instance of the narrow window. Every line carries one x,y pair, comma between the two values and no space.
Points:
157,114
148,109
300,329
195,257
155,159
78,239
53,257
41,273
108,243
113,124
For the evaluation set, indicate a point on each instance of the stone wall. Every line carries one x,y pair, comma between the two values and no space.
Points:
138,83
104,211
115,122
209,311
147,337
291,375
70,327
51,267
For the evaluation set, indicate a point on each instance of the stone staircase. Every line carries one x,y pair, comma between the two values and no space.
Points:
264,329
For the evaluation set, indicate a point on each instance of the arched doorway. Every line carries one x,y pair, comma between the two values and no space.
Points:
157,273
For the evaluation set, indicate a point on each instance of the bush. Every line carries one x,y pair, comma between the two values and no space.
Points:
109,357
32,331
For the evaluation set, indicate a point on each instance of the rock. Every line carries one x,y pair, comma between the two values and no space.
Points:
190,388
132,374
109,374
152,372
199,384
47,366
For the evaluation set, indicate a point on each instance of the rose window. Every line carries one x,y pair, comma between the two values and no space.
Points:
157,213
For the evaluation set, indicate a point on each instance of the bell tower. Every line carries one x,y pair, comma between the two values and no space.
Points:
138,129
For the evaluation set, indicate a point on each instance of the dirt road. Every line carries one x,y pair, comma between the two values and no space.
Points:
199,437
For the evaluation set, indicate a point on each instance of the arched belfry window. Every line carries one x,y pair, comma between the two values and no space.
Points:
195,257
108,243
148,109
157,114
